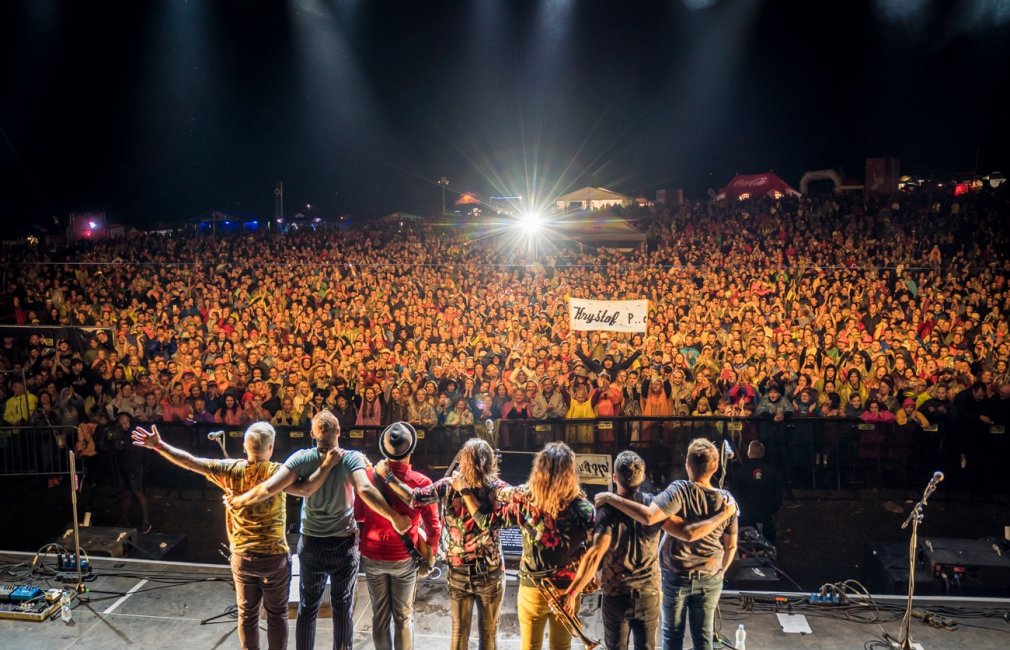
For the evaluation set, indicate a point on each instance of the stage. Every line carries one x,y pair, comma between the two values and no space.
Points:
137,603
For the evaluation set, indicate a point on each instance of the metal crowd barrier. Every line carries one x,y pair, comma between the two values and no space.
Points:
36,451
819,453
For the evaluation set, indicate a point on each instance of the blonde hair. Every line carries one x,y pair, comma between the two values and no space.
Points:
554,481
260,436
702,456
478,464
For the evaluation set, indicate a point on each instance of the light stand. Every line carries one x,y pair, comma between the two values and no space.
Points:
914,518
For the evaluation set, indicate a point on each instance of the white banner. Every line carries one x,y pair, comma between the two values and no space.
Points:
595,469
608,315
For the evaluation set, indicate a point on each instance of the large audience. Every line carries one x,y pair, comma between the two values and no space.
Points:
881,308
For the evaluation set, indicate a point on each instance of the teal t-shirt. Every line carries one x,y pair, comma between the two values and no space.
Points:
330,511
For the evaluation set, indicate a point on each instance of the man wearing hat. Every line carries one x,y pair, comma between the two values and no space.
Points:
390,569
329,539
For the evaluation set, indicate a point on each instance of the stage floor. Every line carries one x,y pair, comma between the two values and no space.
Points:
166,603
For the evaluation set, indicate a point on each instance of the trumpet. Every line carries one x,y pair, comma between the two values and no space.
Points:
570,620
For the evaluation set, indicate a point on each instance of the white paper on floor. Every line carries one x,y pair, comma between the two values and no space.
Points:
794,624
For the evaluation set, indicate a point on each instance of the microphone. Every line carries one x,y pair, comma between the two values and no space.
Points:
937,477
216,436
728,448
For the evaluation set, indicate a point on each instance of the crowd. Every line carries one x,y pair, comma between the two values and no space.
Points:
888,307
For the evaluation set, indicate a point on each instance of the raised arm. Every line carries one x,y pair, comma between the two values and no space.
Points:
152,440
646,515
370,494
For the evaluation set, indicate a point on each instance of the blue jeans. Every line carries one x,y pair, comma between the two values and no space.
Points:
691,600
391,587
335,558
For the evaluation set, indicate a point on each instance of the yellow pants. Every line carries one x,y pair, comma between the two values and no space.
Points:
534,616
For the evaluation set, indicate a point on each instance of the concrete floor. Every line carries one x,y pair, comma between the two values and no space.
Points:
160,616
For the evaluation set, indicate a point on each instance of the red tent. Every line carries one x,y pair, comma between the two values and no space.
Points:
755,185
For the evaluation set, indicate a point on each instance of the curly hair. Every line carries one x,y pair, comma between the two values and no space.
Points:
554,480
478,463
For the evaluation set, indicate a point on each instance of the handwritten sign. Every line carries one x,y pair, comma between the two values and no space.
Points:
595,469
608,315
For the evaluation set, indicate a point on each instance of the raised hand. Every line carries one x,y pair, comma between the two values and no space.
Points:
144,438
333,457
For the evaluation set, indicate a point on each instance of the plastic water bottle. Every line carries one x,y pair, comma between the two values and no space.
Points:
65,612
741,638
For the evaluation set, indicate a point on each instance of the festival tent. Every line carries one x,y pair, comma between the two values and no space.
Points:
591,198
756,185
469,198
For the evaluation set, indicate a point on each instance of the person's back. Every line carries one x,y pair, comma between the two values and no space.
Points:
758,488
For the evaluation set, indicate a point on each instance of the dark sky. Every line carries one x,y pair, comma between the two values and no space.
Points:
162,110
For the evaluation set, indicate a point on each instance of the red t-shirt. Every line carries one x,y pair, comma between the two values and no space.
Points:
378,539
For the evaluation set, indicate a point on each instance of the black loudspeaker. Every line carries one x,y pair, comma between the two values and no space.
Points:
754,574
101,541
159,546
885,570
967,567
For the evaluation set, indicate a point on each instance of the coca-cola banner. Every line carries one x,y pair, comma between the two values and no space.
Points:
608,315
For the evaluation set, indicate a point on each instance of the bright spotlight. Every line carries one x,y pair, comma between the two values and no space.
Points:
531,222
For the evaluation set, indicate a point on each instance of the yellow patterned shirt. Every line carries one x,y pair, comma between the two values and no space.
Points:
259,528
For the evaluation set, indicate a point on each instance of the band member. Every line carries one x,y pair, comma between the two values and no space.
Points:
328,547
692,571
556,520
473,554
628,553
390,570
260,566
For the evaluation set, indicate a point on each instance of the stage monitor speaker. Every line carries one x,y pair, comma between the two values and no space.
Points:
754,574
101,541
967,567
885,570
159,547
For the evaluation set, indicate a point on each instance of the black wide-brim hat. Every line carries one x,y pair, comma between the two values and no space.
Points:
397,441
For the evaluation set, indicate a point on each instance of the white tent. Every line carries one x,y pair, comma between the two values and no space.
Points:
592,198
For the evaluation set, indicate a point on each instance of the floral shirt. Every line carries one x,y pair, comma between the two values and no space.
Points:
465,541
552,546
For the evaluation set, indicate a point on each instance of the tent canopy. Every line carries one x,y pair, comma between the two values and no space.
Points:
591,198
756,185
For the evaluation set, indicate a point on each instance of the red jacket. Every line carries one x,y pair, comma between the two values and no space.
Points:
378,539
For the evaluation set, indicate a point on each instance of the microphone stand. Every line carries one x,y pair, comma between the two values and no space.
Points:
914,518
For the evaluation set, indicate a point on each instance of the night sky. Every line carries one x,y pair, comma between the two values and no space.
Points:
162,110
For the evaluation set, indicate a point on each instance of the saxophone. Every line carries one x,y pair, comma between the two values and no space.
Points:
570,620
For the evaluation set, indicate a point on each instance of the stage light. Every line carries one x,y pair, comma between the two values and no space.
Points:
531,222
92,225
